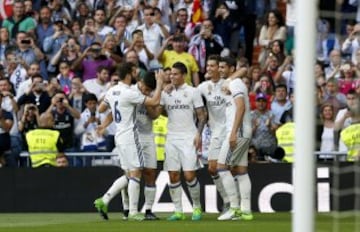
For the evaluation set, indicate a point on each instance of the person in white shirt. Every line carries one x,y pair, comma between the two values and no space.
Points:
153,32
122,100
234,150
98,86
183,139
99,18
25,86
215,103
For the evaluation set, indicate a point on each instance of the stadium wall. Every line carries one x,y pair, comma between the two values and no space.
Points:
74,189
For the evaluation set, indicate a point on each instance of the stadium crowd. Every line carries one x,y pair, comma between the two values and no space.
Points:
60,57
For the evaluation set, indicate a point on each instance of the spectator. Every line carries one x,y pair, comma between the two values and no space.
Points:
77,95
333,96
15,69
320,74
45,27
110,49
6,122
44,143
69,52
19,21
4,43
59,11
264,127
100,23
98,86
343,119
122,33
204,44
53,43
27,49
280,103
153,32
86,128
178,54
25,86
276,48
62,161
142,51
286,74
131,56
326,41
181,20
334,67
254,75
36,95
82,13
64,115
65,77
89,34
263,86
223,23
347,79
53,86
9,104
325,131
29,121
273,29
90,60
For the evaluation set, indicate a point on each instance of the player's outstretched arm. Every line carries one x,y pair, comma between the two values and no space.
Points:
155,99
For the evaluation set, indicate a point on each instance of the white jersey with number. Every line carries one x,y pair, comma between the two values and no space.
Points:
143,121
123,101
215,104
180,106
234,89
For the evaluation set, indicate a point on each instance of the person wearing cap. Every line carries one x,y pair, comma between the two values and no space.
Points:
52,44
264,127
169,57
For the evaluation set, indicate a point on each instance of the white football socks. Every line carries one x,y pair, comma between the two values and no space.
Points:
228,180
119,184
134,192
125,198
175,193
245,192
194,189
149,193
220,188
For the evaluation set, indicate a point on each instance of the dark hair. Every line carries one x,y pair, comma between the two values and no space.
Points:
100,68
277,15
90,97
125,69
149,80
214,57
137,31
281,86
230,61
181,67
36,75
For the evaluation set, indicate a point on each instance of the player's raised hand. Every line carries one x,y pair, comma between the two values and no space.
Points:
159,76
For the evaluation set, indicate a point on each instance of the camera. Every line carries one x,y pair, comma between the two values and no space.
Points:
31,107
92,114
61,99
26,41
71,46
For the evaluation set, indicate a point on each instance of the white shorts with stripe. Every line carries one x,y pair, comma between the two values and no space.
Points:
180,154
149,151
238,157
131,155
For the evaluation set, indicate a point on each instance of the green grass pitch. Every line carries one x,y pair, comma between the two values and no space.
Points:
88,222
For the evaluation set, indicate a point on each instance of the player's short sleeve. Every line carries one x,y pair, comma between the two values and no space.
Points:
198,102
162,98
237,88
201,87
135,97
108,97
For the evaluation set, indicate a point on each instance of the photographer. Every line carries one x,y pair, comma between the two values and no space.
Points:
6,122
86,128
36,95
53,43
27,49
64,115
29,121
90,60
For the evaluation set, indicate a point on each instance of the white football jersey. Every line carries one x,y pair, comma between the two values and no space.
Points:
123,101
143,121
215,104
234,89
180,106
